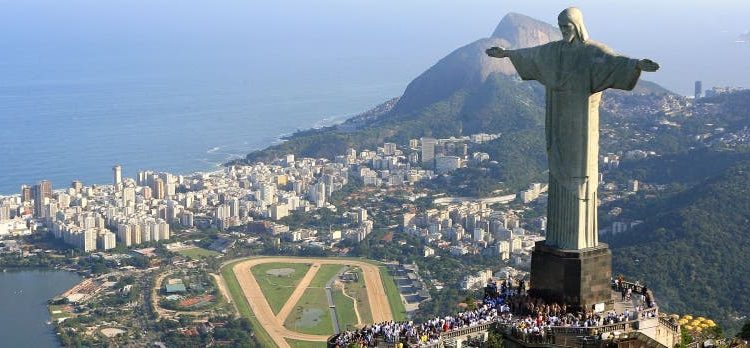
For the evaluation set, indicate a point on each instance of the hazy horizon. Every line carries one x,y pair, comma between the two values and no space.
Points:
183,86
684,36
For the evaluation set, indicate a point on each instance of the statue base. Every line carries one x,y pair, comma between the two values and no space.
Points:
578,278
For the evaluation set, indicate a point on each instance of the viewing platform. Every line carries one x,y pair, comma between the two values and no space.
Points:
641,328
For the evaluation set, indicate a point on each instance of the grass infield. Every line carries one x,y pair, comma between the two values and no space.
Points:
344,310
325,273
358,290
304,344
311,314
277,289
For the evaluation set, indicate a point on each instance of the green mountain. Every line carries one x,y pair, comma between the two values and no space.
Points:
464,93
693,245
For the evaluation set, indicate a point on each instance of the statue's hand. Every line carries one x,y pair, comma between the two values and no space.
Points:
647,65
497,52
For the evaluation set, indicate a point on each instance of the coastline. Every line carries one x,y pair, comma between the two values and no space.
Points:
215,167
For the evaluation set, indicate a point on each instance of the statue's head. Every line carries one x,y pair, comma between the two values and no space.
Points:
571,25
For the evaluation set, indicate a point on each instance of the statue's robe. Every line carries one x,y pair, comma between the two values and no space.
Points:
574,76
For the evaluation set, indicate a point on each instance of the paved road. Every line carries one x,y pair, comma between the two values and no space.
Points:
274,324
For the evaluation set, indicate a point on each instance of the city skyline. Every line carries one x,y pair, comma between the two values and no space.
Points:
78,83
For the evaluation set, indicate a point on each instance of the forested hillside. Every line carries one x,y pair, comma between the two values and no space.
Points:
693,248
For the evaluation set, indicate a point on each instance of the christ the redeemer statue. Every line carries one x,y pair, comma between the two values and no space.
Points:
574,71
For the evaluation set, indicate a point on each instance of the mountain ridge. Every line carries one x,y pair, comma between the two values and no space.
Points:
468,65
465,92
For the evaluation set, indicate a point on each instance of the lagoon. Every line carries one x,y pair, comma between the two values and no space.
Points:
23,305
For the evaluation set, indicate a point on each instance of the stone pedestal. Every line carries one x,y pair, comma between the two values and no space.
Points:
580,278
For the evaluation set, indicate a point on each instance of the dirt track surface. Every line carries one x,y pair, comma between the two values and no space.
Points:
274,325
222,287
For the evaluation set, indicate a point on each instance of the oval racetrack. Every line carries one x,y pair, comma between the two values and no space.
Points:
274,324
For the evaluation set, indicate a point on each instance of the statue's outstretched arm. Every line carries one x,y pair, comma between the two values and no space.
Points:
647,65
497,52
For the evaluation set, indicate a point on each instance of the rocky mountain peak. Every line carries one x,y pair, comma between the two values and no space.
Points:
522,31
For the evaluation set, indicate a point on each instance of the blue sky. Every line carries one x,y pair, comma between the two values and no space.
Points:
692,39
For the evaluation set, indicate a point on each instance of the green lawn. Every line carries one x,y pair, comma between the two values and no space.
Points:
359,292
344,310
305,344
62,314
311,314
243,307
277,289
325,273
196,253
394,298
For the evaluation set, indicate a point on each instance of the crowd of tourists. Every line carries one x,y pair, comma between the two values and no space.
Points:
527,318
425,333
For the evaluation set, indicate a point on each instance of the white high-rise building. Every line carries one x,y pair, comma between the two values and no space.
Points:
86,240
361,215
128,195
268,193
4,212
187,218
63,200
163,227
478,235
428,151
446,164
278,211
153,230
145,232
223,211
106,240
124,234
135,233
234,207
389,149
117,173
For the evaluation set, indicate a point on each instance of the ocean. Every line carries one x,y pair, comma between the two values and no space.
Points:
177,119
180,87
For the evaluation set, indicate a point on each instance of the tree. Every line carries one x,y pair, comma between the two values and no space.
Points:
494,338
745,331
685,338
